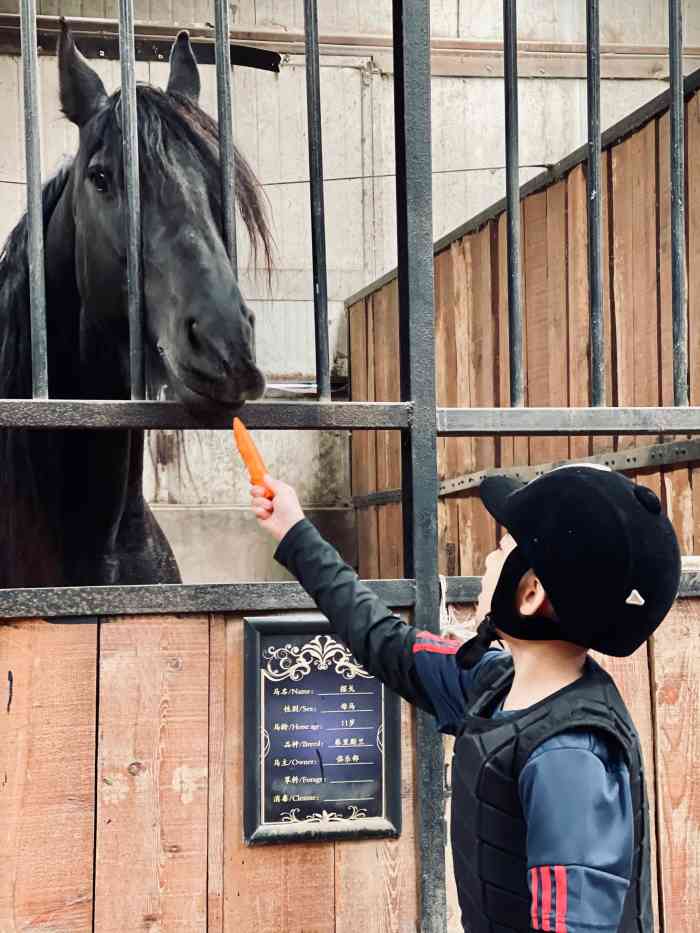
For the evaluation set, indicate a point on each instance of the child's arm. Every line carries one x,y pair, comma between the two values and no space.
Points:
420,666
575,793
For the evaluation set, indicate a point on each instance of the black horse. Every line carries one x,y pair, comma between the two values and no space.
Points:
72,510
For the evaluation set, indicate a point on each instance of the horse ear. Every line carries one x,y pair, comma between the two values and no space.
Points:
81,89
184,74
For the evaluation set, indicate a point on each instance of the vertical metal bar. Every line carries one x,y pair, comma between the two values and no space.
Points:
224,99
130,143
419,459
515,312
595,202
35,239
318,230
678,281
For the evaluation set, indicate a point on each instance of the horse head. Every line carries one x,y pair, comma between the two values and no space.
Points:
199,332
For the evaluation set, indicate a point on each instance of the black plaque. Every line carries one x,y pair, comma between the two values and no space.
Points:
322,742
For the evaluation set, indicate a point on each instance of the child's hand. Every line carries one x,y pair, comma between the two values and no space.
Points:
280,514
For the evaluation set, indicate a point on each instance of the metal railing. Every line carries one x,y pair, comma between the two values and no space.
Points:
417,415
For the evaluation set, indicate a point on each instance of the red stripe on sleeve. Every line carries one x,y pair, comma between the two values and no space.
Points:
560,879
534,882
428,641
546,897
435,649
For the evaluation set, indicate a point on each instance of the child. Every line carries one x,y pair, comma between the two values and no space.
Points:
550,826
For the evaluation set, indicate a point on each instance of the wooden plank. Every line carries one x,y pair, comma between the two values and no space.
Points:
263,885
388,388
676,653
449,462
632,678
47,763
603,443
151,853
375,879
363,462
217,739
506,444
579,330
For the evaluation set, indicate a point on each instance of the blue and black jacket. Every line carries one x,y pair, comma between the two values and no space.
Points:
574,789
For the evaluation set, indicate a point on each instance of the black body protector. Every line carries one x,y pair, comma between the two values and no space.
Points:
488,826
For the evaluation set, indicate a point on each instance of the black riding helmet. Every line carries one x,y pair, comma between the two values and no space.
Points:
605,553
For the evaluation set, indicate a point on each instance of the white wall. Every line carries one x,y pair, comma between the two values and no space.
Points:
193,478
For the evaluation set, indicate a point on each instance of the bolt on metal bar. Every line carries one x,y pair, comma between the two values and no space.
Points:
411,33
678,279
130,144
515,312
35,218
595,202
224,100
318,225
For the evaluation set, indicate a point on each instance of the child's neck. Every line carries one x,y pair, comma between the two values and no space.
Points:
541,669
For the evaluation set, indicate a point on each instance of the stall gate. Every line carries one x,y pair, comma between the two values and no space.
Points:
121,731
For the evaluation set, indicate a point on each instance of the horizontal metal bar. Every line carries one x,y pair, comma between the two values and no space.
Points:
474,422
347,416
98,39
630,458
613,135
90,601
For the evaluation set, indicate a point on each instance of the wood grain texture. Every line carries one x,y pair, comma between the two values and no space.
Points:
262,885
579,330
152,779
676,654
217,740
47,776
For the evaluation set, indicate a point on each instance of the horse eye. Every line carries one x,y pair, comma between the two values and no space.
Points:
98,178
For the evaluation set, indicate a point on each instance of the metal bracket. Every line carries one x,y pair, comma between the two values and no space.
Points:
630,458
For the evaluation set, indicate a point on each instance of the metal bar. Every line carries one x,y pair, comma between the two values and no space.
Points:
66,602
411,31
613,135
350,416
595,201
130,143
35,238
515,312
630,458
318,225
224,100
561,422
678,280
88,602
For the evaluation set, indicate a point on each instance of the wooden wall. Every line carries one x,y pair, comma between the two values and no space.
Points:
660,682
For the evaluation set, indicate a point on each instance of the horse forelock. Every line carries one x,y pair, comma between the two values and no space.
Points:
170,128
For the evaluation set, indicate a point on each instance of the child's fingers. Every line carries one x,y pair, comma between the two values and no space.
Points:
262,514
257,491
260,502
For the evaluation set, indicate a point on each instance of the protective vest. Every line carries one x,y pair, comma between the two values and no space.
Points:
488,826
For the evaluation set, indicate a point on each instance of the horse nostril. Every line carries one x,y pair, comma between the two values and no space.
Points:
192,333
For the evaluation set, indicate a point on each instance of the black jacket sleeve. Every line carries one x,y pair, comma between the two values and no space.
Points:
381,641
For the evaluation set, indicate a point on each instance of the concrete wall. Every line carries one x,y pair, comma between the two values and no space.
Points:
193,479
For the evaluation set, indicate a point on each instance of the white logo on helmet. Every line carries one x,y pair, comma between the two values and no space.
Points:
635,599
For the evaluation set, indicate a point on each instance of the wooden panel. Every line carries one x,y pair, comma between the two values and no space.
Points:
377,880
604,443
263,886
152,775
676,490
677,676
364,449
388,389
448,449
579,382
632,678
217,738
47,763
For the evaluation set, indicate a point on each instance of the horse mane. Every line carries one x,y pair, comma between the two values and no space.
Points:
15,333
170,125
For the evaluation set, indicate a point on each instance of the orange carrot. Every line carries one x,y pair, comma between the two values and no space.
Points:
250,455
